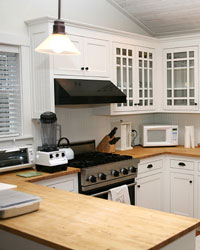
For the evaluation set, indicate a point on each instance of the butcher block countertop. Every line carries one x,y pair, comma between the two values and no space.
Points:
73,221
142,153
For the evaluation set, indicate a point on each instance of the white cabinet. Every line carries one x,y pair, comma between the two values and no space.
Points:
181,194
93,60
149,186
133,74
67,182
149,192
181,78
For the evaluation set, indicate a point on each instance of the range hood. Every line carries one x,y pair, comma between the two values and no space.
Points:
78,91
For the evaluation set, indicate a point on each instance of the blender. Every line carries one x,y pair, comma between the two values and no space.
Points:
49,158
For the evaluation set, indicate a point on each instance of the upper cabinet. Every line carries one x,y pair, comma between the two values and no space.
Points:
181,79
133,75
93,60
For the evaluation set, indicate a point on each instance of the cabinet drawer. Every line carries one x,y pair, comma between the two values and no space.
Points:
149,166
67,182
180,164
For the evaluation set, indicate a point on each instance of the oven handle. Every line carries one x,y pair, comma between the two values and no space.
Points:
107,191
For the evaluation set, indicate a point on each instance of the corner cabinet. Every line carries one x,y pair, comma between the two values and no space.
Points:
133,75
181,79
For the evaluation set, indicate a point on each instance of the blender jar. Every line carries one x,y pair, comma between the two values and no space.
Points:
48,121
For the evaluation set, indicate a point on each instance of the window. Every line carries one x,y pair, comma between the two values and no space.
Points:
10,94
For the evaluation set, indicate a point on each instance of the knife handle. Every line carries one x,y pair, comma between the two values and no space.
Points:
112,133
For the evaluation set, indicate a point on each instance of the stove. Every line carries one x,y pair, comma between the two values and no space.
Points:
100,171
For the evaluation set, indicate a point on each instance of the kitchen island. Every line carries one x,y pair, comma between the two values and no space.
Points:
68,220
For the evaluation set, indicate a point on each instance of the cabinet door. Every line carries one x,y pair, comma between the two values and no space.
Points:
148,192
181,194
181,78
70,64
97,56
67,182
124,75
144,78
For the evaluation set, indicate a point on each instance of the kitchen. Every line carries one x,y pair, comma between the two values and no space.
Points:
75,119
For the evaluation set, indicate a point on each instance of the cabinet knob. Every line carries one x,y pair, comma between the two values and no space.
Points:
190,181
182,164
138,186
149,166
86,68
82,68
195,104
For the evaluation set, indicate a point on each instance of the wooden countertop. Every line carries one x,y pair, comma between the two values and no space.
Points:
142,153
73,221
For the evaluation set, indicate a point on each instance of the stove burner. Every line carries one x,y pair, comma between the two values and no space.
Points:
91,159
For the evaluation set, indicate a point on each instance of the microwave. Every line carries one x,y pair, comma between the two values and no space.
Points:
16,158
159,135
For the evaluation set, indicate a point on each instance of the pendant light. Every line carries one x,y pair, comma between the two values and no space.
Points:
58,43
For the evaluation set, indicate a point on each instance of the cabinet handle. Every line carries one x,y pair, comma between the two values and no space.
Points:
138,186
190,181
82,68
86,68
182,164
135,104
149,166
195,104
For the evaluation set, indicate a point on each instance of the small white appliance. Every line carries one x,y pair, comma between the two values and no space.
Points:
16,158
50,158
159,135
125,133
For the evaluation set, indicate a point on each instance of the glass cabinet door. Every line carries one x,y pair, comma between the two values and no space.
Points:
124,74
145,78
181,78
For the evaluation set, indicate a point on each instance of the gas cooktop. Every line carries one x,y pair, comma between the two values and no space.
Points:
91,159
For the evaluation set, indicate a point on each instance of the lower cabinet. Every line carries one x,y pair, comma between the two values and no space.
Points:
67,182
148,192
182,194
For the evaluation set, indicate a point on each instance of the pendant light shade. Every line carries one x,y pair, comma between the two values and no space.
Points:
58,43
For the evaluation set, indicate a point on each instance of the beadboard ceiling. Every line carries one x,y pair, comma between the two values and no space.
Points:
162,17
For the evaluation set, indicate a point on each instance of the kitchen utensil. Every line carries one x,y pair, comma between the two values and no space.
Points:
189,137
134,136
124,132
14,203
105,146
114,140
64,147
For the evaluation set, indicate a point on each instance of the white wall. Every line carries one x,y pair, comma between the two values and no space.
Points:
80,124
13,13
181,120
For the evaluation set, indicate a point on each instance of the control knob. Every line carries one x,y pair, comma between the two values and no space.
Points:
102,176
133,169
124,171
115,173
92,179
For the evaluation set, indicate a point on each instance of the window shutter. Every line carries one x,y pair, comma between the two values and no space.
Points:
10,96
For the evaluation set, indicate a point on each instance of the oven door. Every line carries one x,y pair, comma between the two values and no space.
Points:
103,191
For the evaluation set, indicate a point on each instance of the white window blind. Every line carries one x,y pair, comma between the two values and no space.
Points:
10,97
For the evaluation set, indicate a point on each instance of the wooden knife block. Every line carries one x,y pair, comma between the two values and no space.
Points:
104,145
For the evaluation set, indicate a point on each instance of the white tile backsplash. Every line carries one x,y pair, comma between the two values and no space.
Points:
80,124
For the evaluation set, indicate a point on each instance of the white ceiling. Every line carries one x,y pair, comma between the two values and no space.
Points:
163,17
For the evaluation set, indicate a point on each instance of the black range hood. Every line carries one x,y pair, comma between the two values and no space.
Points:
78,91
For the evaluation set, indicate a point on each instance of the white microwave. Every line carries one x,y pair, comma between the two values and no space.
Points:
159,135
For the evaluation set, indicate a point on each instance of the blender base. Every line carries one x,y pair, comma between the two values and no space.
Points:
51,169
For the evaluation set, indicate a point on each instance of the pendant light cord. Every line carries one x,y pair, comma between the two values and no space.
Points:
59,5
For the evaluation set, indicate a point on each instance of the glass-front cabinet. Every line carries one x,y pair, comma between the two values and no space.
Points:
181,78
134,77
145,78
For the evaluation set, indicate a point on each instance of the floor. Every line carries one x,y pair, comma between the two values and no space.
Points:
198,242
